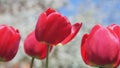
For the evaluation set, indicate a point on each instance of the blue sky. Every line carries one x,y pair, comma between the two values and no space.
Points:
70,9
110,8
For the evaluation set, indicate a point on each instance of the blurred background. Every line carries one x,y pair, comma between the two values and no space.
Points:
23,15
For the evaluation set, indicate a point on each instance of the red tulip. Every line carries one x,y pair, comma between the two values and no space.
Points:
34,48
9,42
101,47
53,28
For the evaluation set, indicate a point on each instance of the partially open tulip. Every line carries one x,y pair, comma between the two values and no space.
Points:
35,48
9,42
53,28
101,48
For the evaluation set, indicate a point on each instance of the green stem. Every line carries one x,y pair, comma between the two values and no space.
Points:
32,61
47,58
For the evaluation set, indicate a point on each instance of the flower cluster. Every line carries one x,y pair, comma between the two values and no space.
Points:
100,48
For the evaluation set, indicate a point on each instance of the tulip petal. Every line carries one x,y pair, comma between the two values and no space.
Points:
116,29
94,29
112,26
12,49
75,28
40,27
57,28
116,64
44,51
49,11
83,51
3,40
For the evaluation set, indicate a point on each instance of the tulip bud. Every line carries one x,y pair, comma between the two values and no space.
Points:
35,48
9,42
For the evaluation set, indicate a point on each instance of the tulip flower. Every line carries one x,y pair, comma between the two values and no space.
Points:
35,48
101,48
53,28
9,42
